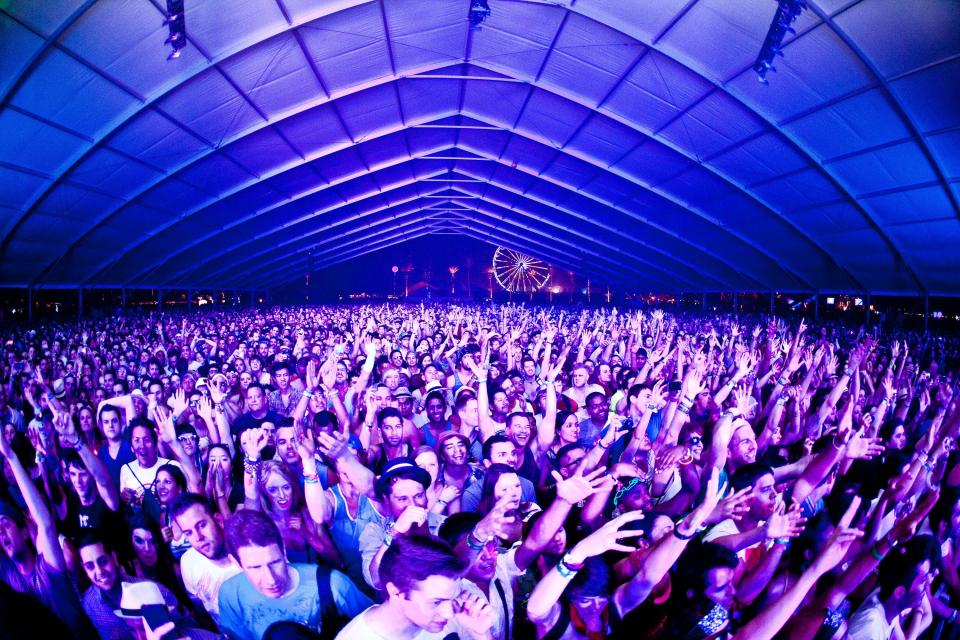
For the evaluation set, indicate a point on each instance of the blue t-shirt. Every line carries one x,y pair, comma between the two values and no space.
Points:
245,613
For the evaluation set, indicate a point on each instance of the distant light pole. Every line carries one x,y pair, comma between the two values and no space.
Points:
394,269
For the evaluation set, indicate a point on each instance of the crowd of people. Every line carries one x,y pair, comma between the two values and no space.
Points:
487,472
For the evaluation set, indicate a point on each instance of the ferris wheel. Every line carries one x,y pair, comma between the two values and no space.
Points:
518,272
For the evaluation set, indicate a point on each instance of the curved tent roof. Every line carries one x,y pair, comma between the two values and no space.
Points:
625,140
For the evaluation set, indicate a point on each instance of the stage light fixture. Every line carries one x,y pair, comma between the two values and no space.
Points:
479,11
175,21
787,12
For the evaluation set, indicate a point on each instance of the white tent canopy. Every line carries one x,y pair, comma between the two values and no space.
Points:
625,140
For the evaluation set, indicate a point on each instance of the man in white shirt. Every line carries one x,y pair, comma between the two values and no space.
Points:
207,564
905,578
425,597
137,477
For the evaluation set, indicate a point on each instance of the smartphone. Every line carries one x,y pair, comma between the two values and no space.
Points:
157,615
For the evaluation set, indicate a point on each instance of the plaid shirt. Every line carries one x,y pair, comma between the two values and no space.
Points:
275,401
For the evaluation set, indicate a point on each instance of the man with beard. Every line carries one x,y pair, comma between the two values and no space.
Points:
206,565
391,446
402,491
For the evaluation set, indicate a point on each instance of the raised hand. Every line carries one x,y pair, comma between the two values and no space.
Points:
734,506
862,448
178,401
252,441
474,615
579,487
168,432
205,408
840,540
332,446
609,537
496,523
311,379
785,525
741,398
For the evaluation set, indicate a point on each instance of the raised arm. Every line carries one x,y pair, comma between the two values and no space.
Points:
47,540
168,434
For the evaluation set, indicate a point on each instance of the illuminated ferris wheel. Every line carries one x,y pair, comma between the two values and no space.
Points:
518,272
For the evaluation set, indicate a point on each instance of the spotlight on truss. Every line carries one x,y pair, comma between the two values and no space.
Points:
787,12
176,23
479,11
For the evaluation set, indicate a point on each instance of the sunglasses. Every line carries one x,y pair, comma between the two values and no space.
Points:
694,440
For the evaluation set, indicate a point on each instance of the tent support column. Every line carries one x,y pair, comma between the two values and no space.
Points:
816,307
926,314
79,303
30,304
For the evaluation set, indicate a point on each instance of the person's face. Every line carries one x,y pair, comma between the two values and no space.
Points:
597,408
117,390
110,423
764,498
470,414
406,492
100,394
166,487
429,463
279,491
202,531
382,398
392,431
282,376
245,380
318,402
899,438
743,444
144,446
429,606
570,430
579,377
13,539
189,443
219,458
81,480
603,373
9,431
569,461
144,546
529,368
500,402
922,580
405,406
455,452
720,588
188,384
153,370
508,486
436,410
100,567
341,373
396,359
287,446
519,430
411,359
589,606
256,401
504,453
86,420
265,568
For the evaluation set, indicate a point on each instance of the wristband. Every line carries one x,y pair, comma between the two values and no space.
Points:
308,394
785,542
783,381
311,478
572,566
876,554
652,407
781,401
848,371
474,542
682,536
684,409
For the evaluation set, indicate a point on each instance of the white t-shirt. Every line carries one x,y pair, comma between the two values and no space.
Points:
203,577
133,476
359,629
869,622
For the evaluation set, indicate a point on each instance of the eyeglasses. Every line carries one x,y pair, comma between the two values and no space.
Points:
187,437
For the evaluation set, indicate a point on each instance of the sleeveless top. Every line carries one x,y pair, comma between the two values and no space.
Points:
345,532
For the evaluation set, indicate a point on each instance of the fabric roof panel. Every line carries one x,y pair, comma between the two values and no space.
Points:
878,24
946,148
19,46
931,96
372,110
885,168
842,129
314,130
262,152
249,21
26,142
274,74
107,170
16,188
914,205
210,107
